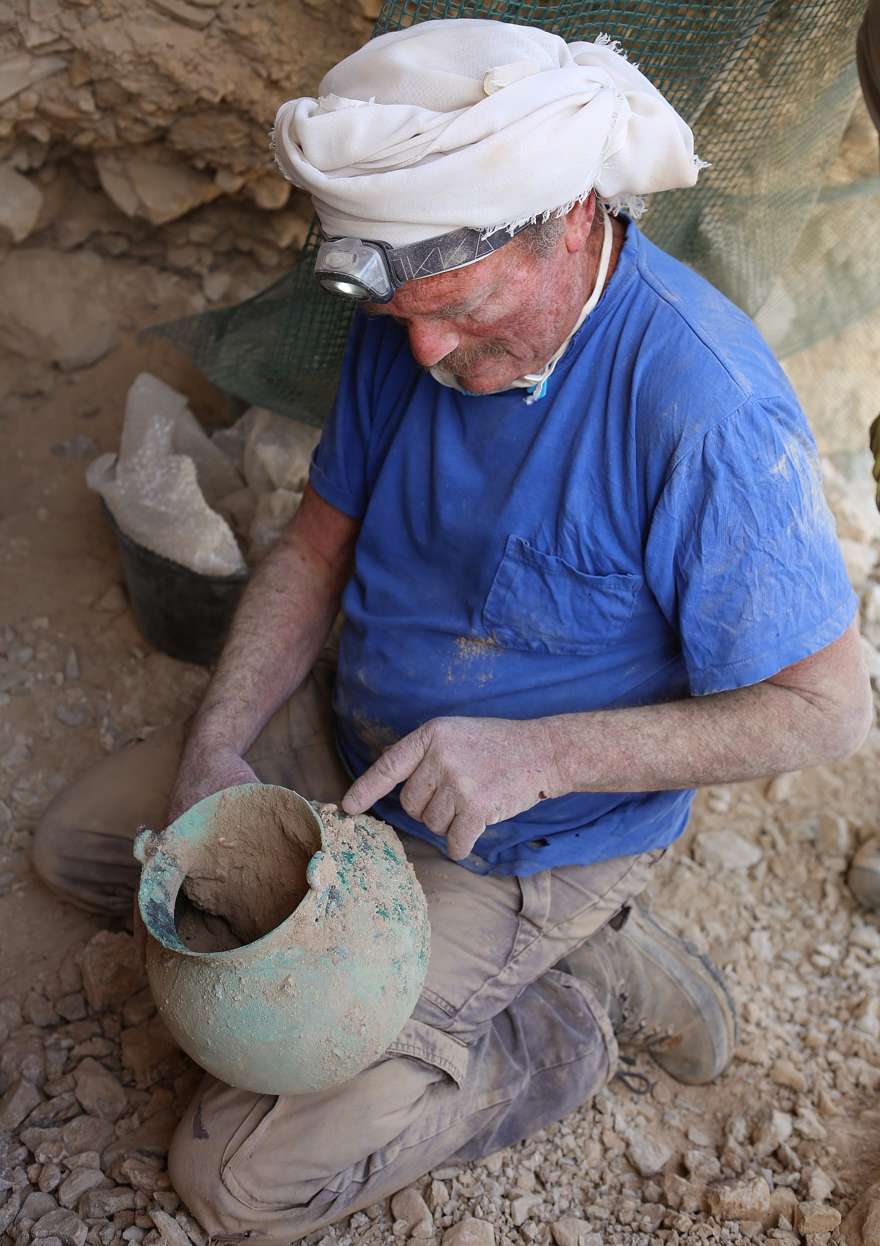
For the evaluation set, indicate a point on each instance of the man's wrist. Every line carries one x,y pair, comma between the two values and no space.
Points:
554,749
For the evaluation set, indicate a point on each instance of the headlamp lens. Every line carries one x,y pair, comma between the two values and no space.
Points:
354,269
348,289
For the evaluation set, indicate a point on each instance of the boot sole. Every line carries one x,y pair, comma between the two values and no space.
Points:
713,993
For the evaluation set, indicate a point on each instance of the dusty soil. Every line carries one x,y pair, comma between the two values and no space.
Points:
78,680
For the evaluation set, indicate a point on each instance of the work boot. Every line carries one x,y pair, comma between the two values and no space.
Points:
864,875
661,994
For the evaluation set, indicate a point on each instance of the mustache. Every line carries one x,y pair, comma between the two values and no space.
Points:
463,359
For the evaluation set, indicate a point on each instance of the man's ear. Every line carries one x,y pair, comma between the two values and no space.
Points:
579,223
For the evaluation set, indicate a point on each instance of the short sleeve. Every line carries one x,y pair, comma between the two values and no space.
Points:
742,554
338,470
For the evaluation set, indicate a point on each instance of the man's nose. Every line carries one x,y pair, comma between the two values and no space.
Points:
430,343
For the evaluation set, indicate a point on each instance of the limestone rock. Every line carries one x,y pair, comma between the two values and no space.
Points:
101,1203
152,182
171,1231
702,1166
819,1186
36,1205
20,1099
816,1218
112,970
746,1199
783,1204
521,1207
21,70
62,1224
470,1232
79,1182
871,1224
833,836
86,1133
771,1129
98,1091
146,1046
726,850
683,1194
785,1073
20,203
647,1153
409,1206
569,1231
38,1011
56,307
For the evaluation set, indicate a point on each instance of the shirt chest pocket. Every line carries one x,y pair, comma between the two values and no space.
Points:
540,602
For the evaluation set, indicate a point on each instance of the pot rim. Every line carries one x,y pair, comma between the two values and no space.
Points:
164,872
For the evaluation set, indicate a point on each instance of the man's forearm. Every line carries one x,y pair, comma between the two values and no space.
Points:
282,621
732,736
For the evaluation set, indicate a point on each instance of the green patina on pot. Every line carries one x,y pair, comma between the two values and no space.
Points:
331,934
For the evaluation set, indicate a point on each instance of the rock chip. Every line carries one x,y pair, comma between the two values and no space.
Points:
101,1204
98,1091
86,1133
726,850
772,1128
36,1205
151,181
647,1152
702,1166
522,1207
819,1186
111,969
57,307
745,1199
816,1218
146,1046
784,1073
470,1232
170,1230
681,1194
62,1224
20,203
20,1099
37,1010
409,1206
569,1231
80,1181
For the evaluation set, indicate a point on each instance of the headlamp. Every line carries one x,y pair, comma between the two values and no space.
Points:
373,271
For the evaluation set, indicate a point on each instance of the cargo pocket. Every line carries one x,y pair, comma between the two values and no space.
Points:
434,1047
541,603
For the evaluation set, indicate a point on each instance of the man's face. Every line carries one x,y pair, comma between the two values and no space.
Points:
490,323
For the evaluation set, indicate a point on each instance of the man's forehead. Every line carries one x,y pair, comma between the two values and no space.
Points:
448,293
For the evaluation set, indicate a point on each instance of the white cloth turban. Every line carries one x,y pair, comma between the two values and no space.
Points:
467,122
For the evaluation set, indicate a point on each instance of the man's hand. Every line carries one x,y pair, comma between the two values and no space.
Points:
204,770
462,774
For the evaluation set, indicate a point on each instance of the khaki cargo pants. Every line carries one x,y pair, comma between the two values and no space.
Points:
500,1044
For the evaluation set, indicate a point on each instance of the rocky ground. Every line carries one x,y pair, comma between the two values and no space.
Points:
90,1086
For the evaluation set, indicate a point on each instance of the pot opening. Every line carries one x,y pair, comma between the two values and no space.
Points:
249,873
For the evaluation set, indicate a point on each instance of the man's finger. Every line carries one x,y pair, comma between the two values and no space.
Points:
418,792
439,813
463,833
394,766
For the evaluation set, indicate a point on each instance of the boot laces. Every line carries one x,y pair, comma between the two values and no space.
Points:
637,1030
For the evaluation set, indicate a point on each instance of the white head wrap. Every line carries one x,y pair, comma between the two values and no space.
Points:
466,122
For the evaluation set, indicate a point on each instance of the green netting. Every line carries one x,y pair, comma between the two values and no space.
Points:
768,87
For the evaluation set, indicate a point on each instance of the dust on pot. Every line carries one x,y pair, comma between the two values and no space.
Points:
289,946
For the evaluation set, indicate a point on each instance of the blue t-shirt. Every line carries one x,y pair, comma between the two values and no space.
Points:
652,529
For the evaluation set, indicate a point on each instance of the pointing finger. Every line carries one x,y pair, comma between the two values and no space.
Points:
395,765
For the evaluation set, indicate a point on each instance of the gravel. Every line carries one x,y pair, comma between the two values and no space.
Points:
91,1084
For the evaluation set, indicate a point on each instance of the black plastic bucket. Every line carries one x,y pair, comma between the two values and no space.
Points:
179,611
